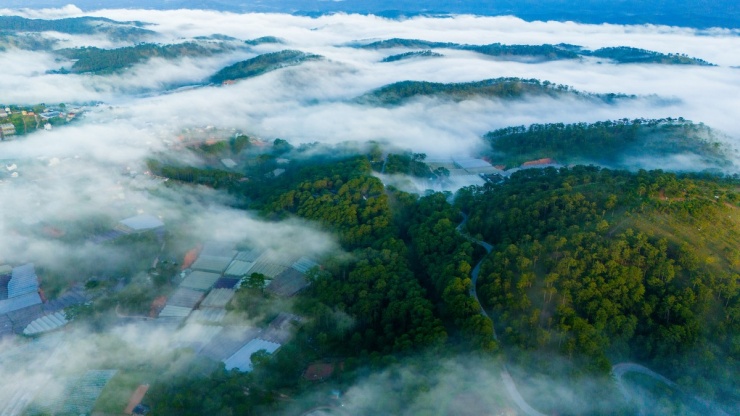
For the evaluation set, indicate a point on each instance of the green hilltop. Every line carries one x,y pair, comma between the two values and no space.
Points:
500,88
545,52
262,64
615,143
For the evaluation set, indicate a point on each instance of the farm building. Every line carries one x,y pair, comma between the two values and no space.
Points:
239,268
242,359
46,323
215,264
140,224
200,280
288,283
228,342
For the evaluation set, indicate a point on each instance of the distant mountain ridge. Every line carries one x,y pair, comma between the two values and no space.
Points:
544,52
689,13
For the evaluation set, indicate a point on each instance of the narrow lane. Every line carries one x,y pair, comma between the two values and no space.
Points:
509,384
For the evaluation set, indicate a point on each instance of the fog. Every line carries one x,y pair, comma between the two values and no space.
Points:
94,168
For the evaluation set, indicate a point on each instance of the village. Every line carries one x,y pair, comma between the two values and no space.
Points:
190,294
21,120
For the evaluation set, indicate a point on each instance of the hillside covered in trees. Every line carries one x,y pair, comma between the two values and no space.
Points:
87,25
590,265
413,54
615,143
545,52
262,64
102,61
606,266
498,88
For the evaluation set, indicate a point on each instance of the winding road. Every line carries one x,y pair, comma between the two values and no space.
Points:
509,384
697,404
618,370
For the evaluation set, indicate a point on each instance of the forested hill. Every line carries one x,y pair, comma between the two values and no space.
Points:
589,267
264,40
87,25
501,88
100,61
619,143
608,266
27,41
262,64
410,55
546,52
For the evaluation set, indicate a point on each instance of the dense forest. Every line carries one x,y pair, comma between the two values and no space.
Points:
501,88
413,54
263,40
609,143
101,61
591,265
27,41
262,64
606,266
86,25
620,54
628,55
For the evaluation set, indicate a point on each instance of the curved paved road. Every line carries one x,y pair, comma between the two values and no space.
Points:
619,370
697,404
509,384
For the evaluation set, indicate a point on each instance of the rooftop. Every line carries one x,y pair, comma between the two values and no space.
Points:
242,359
23,281
142,222
199,280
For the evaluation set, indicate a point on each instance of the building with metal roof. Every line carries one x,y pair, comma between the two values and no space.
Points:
195,336
304,264
470,163
218,249
229,163
23,281
46,323
209,263
242,359
200,280
82,396
171,311
288,283
140,223
24,316
229,341
238,268
208,315
226,283
74,296
218,298
19,302
188,298
249,255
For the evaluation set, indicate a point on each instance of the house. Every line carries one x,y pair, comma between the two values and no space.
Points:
7,129
242,359
229,163
139,224
539,162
